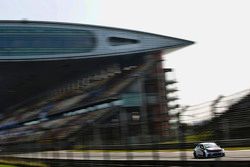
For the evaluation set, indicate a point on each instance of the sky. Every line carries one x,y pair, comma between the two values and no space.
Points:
218,63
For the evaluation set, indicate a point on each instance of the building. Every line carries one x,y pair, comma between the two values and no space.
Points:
81,84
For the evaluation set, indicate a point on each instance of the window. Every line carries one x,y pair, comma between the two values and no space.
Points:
117,41
40,41
135,116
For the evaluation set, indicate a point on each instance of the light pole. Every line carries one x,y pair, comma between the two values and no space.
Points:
216,120
181,134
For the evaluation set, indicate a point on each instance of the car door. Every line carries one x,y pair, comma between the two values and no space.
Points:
196,149
200,150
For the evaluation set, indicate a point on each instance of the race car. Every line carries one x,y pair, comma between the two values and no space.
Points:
208,150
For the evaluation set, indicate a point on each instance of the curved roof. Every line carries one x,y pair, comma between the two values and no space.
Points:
32,40
27,48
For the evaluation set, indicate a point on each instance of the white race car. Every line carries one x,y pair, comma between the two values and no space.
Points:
208,150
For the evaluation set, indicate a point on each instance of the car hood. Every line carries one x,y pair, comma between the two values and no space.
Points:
214,149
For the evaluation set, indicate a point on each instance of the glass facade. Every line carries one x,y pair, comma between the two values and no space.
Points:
22,41
131,99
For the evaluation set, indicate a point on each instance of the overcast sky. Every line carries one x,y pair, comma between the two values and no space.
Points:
217,64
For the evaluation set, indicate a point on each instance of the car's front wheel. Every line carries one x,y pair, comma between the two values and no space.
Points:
204,154
195,156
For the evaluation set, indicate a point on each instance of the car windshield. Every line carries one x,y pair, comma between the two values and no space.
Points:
210,145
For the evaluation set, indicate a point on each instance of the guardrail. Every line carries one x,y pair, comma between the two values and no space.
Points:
33,147
121,163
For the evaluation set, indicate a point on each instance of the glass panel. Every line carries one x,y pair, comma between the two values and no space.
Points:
131,99
40,41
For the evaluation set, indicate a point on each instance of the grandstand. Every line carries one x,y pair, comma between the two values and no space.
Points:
68,85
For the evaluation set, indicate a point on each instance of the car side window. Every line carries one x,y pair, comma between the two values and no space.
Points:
201,146
198,146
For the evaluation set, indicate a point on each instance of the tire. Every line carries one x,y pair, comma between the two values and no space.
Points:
204,154
195,156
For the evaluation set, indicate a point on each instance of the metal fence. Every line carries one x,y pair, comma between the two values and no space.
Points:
102,143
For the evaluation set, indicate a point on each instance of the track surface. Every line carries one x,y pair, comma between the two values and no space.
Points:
240,155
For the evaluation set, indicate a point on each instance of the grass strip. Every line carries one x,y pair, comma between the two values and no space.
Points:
4,165
15,163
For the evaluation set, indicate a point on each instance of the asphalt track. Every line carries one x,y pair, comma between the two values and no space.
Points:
238,155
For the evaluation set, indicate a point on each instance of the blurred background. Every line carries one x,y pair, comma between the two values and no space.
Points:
151,106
